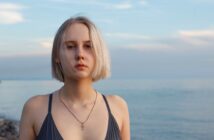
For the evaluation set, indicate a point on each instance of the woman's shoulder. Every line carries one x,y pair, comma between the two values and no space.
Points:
119,108
120,111
36,101
117,101
35,105
34,110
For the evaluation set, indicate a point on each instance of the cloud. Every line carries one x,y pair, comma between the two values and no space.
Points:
46,43
28,47
203,1
10,17
143,2
152,47
25,53
10,14
198,33
123,6
106,21
198,37
182,40
127,36
10,6
138,42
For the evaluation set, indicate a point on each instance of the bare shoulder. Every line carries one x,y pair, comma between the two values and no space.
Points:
120,110
35,102
34,105
118,107
31,113
117,101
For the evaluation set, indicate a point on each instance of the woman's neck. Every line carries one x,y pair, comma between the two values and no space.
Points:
78,92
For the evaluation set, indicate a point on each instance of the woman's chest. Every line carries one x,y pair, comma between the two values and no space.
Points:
82,128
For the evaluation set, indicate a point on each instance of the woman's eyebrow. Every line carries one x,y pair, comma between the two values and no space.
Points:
75,42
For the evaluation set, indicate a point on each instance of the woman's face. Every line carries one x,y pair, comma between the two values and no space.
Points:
76,53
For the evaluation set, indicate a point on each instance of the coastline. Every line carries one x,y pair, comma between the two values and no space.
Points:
8,129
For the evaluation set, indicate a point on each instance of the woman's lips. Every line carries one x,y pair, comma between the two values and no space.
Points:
80,66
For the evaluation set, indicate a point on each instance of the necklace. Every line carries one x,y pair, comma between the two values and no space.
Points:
69,110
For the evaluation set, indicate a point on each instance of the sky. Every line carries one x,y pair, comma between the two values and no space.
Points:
147,39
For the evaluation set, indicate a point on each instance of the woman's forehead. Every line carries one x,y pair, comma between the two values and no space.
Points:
77,32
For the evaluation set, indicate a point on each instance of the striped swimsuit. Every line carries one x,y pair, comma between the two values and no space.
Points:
49,130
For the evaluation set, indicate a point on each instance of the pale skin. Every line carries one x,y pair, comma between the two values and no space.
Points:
78,93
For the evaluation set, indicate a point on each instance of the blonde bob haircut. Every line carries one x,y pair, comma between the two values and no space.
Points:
102,62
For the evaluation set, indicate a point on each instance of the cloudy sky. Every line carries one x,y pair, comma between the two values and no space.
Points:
147,39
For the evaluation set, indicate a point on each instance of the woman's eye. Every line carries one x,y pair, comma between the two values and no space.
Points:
88,46
70,46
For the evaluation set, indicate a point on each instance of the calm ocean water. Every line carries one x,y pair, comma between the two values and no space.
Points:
159,109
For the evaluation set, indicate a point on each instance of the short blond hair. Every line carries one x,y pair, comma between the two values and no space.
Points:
102,60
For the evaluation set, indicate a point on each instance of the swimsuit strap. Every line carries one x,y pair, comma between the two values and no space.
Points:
109,110
49,103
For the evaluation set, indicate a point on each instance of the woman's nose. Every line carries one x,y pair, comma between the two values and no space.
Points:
79,53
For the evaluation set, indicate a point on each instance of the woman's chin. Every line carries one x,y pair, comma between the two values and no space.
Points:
81,76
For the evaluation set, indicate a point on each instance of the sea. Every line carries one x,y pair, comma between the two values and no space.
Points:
173,109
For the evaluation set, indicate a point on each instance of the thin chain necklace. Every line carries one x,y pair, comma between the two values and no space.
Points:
81,122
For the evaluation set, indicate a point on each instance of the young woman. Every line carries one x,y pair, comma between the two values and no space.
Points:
76,111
